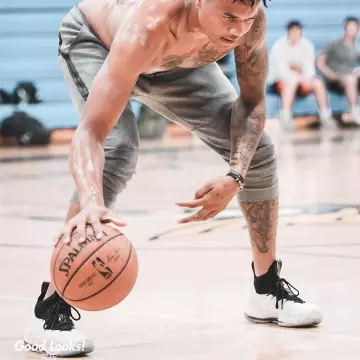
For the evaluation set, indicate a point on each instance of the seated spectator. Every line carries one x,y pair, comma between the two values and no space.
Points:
292,71
338,64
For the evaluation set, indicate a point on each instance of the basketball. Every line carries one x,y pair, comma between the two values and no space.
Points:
96,274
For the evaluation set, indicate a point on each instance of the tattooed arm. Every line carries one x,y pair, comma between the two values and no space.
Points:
248,114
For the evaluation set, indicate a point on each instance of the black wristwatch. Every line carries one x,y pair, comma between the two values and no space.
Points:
237,177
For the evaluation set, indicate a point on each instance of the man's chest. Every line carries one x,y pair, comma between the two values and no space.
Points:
196,57
207,54
346,55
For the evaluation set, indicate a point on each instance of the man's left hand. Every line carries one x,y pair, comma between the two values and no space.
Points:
213,197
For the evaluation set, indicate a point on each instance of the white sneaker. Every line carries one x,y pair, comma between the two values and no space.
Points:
327,120
277,301
52,331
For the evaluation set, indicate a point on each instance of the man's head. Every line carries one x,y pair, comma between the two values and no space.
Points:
294,31
351,27
225,21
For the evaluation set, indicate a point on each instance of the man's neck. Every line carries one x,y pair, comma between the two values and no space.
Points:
293,43
190,20
349,41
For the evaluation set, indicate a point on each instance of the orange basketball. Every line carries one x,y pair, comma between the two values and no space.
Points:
96,274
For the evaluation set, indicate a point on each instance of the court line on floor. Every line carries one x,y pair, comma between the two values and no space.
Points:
211,248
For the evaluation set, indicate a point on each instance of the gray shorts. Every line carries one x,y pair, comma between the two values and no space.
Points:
198,99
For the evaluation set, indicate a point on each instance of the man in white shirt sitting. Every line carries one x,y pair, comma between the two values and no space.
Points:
292,71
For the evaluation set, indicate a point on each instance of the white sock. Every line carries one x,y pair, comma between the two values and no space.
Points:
285,114
325,113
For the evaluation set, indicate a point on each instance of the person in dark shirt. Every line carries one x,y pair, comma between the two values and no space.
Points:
338,63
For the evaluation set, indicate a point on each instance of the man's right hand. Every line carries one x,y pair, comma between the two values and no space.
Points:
92,215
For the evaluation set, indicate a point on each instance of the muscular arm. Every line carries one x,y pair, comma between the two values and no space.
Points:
321,63
248,114
109,94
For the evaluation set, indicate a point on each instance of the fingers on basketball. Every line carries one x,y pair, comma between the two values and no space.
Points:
96,225
67,232
81,230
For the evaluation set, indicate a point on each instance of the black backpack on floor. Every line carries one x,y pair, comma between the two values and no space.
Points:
26,130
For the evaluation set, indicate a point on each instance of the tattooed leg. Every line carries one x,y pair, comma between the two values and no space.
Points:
247,125
262,219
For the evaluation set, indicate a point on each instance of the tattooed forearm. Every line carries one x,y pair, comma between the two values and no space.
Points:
251,58
248,115
247,126
262,218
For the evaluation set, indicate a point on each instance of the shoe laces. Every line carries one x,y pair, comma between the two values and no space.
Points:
60,317
284,290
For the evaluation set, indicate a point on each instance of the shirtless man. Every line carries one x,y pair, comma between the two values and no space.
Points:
163,53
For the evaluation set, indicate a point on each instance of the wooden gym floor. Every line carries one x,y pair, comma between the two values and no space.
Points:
189,299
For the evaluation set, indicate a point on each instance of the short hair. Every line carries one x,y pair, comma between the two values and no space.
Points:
252,2
350,19
293,24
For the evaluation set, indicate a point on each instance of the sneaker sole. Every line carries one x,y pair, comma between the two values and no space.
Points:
276,321
261,321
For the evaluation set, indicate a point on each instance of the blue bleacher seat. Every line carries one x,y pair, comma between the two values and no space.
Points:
272,104
37,47
31,69
30,24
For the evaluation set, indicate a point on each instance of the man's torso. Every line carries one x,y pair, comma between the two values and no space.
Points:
296,55
182,49
342,58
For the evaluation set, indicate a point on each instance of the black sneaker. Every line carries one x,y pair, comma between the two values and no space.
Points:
274,299
52,330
